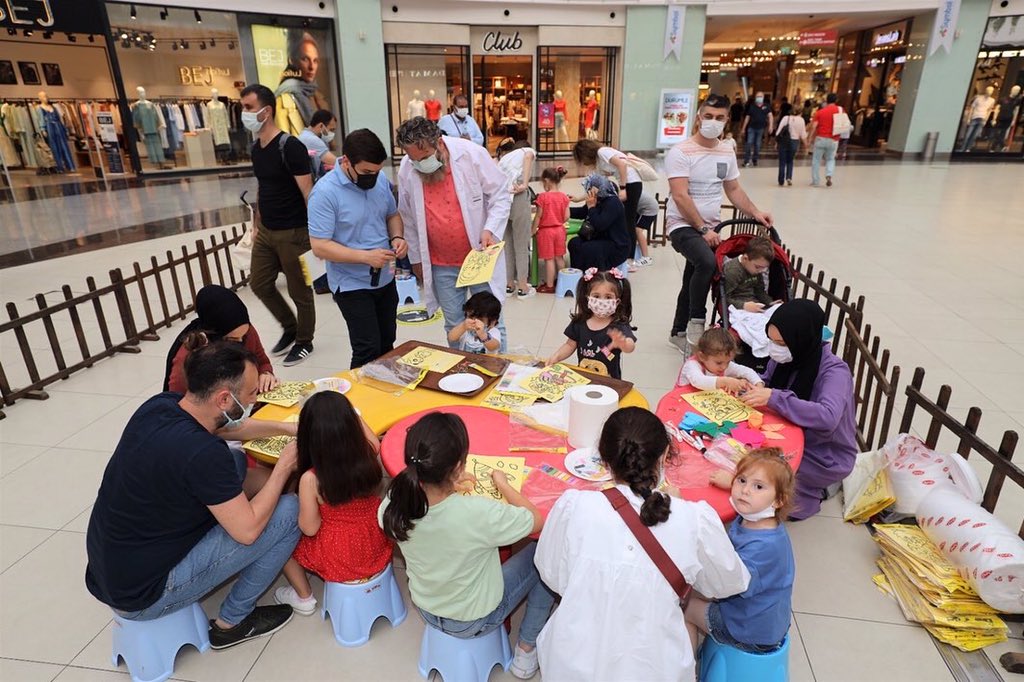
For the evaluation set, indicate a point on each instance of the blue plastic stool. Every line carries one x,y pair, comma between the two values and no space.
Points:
355,607
568,280
464,660
407,290
149,647
723,663
624,269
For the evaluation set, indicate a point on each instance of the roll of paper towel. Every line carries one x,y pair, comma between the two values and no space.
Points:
985,551
589,408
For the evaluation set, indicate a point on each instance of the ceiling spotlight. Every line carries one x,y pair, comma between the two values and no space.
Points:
92,38
138,38
47,35
213,42
184,44
231,45
174,45
12,31
164,14
202,45
71,38
124,35
199,19
132,12
152,47
125,44
305,23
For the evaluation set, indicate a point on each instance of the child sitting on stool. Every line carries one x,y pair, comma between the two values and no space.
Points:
479,332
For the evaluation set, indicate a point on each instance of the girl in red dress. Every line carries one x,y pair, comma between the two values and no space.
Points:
339,476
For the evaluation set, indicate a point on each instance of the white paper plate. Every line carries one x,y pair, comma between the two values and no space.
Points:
585,463
461,383
332,384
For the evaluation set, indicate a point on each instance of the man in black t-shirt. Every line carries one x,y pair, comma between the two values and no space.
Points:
757,119
736,116
171,522
281,165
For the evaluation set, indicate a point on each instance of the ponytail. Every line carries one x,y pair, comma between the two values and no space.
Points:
435,447
632,443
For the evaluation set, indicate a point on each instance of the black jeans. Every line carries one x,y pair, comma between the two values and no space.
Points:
370,316
700,269
787,152
633,192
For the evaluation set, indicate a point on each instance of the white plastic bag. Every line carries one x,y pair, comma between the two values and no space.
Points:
861,479
241,253
986,553
915,470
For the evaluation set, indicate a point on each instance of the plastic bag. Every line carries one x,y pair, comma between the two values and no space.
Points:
545,484
389,375
538,428
522,355
915,470
725,452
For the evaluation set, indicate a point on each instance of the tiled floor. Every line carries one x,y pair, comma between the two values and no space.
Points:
935,249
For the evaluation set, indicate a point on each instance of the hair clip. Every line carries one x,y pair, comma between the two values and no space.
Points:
589,274
616,273
560,169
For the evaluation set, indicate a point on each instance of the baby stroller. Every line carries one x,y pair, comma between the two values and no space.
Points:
779,276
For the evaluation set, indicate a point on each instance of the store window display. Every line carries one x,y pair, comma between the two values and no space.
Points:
151,126
416,106
977,116
576,85
56,135
433,107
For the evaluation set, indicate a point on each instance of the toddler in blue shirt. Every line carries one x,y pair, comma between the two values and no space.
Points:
756,620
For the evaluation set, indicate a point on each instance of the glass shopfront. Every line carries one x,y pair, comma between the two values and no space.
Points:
869,72
992,124
423,80
576,87
184,69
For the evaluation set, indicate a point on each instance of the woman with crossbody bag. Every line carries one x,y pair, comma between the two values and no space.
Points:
791,132
624,560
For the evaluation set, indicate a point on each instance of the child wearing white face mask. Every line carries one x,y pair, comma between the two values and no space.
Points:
600,329
756,620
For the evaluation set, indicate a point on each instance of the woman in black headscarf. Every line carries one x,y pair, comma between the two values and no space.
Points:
220,314
808,385
609,247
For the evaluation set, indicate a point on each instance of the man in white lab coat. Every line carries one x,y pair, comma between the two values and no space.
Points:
453,198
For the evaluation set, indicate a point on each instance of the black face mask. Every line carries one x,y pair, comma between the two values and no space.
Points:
366,181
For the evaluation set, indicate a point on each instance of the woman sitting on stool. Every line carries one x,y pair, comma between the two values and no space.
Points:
609,245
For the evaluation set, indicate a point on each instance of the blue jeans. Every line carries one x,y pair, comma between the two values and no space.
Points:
718,630
973,129
521,582
217,557
752,144
823,146
452,298
787,152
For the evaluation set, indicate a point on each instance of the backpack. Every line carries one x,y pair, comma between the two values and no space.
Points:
281,142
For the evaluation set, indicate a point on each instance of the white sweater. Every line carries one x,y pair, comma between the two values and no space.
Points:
694,374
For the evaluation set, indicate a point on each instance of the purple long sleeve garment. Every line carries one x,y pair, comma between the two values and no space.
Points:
830,430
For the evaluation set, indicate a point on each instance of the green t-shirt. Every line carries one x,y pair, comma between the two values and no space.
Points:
451,555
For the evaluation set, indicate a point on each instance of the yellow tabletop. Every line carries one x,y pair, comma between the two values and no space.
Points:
383,410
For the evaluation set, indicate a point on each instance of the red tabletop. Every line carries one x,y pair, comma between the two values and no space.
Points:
690,471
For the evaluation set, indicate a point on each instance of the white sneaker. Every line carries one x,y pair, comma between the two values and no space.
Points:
529,292
644,261
524,664
694,330
288,595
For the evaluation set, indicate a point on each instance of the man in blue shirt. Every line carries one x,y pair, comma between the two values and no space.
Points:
355,226
318,137
459,123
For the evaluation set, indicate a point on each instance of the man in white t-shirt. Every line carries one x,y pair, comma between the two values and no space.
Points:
699,169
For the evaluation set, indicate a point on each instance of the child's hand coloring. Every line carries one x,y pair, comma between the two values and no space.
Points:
499,478
733,385
465,482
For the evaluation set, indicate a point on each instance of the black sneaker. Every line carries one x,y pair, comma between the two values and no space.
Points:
282,346
298,353
263,621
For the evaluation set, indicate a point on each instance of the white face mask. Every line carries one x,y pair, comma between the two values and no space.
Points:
602,307
779,354
327,136
462,112
428,165
766,513
711,128
251,121
235,422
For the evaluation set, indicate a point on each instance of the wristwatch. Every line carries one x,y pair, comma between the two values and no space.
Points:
704,229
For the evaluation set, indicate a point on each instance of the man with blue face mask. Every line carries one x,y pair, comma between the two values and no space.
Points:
171,522
757,119
700,169
453,199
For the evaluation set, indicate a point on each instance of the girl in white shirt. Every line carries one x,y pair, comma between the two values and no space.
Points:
712,366
619,618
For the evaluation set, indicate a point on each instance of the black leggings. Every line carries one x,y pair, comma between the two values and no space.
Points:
633,192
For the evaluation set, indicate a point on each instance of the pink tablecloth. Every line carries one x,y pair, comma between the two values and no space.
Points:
690,471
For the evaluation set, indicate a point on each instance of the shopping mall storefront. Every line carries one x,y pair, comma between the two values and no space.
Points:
543,84
111,89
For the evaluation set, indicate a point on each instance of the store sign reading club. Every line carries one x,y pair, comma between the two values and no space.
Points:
201,75
494,41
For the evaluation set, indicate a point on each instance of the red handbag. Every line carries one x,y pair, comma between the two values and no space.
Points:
650,544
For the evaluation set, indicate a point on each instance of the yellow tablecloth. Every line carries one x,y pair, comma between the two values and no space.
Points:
383,410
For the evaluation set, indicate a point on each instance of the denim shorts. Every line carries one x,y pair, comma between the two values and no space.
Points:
717,629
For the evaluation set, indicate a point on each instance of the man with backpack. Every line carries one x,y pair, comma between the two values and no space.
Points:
281,165
825,137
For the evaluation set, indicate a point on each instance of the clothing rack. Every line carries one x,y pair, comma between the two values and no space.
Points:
78,128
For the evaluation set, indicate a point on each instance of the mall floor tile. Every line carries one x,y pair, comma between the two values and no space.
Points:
906,236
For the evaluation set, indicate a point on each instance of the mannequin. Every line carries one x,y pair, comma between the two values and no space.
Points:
978,113
561,131
1005,114
148,121
416,106
590,115
433,107
56,134
218,121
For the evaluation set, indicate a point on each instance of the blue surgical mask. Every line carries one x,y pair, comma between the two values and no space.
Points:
428,165
233,423
759,100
